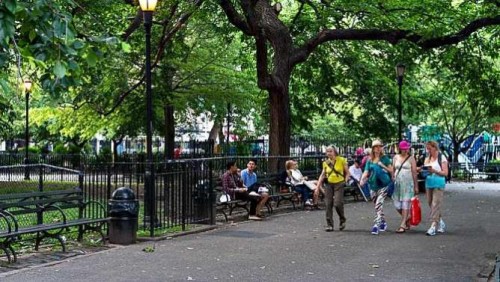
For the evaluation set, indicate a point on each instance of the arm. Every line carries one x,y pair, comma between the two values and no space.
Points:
414,174
321,178
389,168
365,174
244,177
347,173
227,184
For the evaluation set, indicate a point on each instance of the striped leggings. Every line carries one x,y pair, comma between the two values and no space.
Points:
378,198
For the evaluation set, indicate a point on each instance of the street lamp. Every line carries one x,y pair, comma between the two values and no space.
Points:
400,72
27,90
148,7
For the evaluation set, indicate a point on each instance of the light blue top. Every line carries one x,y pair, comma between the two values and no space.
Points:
248,178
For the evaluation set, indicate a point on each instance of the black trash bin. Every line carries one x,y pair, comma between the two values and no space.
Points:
123,209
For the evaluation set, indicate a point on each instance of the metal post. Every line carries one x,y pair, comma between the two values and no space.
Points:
149,193
400,110
228,126
26,137
400,71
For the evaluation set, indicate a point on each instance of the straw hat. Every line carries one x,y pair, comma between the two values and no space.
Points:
377,142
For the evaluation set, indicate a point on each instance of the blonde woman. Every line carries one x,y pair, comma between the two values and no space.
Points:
437,169
295,177
379,170
336,173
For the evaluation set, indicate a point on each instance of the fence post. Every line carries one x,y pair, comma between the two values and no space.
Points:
39,214
211,190
184,187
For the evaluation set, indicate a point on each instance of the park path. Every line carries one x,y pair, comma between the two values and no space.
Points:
294,247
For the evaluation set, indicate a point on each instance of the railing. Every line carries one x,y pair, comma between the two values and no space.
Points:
183,190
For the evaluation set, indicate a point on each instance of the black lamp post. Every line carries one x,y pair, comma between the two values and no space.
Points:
148,7
27,90
400,72
228,127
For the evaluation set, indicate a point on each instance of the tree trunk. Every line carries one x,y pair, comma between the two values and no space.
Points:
214,131
279,124
169,132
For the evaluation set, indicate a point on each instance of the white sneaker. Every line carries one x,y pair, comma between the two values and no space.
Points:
441,227
431,231
309,203
254,217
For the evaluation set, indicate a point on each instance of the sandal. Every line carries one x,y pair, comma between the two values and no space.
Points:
401,229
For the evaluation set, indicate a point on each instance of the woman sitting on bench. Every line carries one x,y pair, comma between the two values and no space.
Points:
301,184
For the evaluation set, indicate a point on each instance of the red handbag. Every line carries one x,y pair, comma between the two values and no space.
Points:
415,212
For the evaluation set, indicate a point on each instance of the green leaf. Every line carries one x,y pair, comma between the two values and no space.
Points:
11,5
77,44
59,69
32,35
126,47
91,58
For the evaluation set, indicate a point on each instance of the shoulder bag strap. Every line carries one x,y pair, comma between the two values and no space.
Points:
401,166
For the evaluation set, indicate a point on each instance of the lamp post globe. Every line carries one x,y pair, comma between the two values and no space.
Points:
400,71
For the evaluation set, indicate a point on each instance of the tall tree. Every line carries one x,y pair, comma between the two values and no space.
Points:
282,43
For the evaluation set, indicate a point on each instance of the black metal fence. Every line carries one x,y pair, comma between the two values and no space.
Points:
183,190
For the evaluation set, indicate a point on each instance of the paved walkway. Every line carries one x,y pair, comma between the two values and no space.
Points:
294,247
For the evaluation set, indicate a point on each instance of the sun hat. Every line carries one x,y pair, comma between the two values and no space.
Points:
377,142
404,145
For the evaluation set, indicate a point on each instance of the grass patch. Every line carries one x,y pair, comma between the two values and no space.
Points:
164,231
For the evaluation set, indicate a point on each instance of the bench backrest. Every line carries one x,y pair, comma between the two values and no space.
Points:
29,208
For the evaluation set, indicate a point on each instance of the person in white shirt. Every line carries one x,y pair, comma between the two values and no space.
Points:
355,171
301,184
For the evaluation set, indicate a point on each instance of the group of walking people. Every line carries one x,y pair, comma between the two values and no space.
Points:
378,173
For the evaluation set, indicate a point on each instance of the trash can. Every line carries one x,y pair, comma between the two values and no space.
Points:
202,205
123,209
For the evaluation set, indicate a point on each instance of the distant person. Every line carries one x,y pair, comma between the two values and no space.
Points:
178,152
249,178
300,183
378,173
336,174
406,184
355,171
365,158
248,175
233,186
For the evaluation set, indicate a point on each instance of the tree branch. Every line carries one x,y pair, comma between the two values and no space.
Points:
236,19
391,36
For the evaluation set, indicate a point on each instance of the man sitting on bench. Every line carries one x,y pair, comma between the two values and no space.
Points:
233,186
249,178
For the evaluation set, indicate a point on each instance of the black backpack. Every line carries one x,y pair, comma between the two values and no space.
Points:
448,176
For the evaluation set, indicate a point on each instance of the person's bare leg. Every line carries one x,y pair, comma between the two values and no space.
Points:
263,199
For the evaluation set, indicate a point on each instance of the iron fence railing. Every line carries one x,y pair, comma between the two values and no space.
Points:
184,188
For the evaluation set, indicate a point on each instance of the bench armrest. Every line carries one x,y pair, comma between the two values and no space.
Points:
8,219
